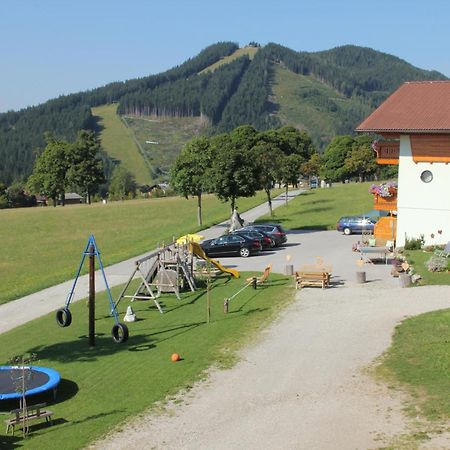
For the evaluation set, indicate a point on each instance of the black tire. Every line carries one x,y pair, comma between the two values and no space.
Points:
119,333
244,252
347,231
63,317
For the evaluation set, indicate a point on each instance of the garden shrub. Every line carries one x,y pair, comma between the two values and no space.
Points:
437,264
414,243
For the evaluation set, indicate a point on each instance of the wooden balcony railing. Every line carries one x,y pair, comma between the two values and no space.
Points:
385,203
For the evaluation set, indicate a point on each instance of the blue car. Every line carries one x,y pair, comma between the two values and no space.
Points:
355,224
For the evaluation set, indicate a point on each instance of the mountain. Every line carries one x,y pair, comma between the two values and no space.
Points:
327,93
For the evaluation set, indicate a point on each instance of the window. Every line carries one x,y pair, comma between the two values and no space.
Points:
426,176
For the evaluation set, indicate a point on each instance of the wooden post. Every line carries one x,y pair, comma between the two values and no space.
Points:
208,294
91,296
225,305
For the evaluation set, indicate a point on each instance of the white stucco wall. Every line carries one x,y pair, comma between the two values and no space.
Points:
423,208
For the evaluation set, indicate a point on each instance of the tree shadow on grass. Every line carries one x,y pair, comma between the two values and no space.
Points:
79,350
10,442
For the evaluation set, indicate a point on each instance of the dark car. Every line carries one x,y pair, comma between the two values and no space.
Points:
265,240
355,224
274,231
231,244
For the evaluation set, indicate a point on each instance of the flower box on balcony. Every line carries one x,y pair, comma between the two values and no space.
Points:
385,203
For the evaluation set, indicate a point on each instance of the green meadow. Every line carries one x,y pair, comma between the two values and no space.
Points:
43,246
419,359
103,386
118,141
320,209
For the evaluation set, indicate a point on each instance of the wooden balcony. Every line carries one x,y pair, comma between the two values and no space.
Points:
388,152
385,203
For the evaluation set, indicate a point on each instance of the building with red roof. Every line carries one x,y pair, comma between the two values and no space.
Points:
415,125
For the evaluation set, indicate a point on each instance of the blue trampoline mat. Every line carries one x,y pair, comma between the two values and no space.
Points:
38,380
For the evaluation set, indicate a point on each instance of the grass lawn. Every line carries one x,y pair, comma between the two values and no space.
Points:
249,51
117,141
321,208
417,259
43,246
420,358
170,133
306,102
103,386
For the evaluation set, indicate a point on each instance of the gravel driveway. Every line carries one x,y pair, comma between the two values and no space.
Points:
303,384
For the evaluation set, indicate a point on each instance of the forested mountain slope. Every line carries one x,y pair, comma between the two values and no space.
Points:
327,93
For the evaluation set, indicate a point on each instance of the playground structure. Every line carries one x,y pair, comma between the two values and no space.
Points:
44,379
64,316
252,281
171,268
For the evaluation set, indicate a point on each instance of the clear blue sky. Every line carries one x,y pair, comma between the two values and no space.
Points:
54,47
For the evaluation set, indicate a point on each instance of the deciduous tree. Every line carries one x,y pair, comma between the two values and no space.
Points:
85,172
123,184
190,173
49,174
233,170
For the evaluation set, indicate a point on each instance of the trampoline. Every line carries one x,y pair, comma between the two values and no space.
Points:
42,379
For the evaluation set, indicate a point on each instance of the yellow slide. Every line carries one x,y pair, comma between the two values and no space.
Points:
197,250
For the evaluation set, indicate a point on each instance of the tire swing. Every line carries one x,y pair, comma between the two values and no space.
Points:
64,316
119,333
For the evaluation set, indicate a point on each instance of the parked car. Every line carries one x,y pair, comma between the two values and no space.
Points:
355,224
265,240
231,244
275,231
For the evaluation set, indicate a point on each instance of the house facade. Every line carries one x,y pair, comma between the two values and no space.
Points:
415,125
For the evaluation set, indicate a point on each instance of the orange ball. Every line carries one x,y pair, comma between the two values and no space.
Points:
175,357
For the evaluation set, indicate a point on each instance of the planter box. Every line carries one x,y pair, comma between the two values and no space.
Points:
385,203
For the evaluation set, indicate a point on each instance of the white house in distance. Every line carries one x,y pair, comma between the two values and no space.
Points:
415,121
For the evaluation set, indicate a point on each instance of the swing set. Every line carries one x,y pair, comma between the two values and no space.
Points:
64,316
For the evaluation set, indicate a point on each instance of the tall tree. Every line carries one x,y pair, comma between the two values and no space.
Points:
334,157
189,174
311,168
291,171
85,172
122,185
49,173
361,161
269,161
292,140
232,173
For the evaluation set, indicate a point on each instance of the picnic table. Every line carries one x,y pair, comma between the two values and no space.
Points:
369,253
317,274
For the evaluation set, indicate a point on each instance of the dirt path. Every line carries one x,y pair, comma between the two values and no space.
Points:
303,385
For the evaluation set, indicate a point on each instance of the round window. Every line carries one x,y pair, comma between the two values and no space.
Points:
426,176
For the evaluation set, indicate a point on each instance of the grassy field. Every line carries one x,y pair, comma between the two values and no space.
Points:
307,103
419,358
170,133
44,245
417,259
103,386
320,209
118,142
249,51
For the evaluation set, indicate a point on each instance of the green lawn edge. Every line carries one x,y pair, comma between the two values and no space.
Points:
44,245
104,386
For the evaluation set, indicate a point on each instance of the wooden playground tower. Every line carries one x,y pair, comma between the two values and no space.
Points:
168,269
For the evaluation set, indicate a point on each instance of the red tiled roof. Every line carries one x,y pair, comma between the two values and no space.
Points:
416,106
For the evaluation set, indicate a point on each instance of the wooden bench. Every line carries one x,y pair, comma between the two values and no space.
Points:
263,277
33,412
321,279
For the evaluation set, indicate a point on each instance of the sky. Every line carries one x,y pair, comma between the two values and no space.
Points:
54,47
